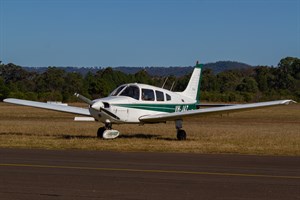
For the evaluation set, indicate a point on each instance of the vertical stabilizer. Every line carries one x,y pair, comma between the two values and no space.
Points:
193,88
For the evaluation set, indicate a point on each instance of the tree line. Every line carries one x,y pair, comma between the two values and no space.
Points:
255,84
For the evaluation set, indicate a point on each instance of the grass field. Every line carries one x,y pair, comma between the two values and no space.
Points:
271,131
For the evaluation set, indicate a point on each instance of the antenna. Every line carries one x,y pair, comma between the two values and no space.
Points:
164,83
172,85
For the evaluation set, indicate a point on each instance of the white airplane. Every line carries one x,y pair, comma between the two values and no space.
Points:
141,104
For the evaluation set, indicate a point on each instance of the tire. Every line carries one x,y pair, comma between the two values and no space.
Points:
100,132
181,135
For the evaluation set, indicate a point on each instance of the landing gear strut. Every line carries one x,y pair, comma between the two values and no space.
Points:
107,126
181,134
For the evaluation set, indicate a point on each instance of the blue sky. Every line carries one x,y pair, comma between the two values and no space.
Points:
147,32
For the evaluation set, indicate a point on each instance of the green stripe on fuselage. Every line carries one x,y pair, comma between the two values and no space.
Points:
160,107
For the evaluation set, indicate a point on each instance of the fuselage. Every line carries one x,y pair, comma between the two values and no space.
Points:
129,102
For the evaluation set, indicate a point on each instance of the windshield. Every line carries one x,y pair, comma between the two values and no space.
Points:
117,91
131,91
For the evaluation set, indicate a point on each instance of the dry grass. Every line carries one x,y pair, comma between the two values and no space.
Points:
272,131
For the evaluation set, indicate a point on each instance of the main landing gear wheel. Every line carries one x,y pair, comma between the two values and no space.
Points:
100,132
181,134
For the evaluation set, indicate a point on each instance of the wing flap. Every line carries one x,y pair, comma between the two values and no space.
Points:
61,108
211,111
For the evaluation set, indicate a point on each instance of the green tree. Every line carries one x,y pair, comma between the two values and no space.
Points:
261,75
229,80
4,91
248,85
51,80
73,83
209,81
143,77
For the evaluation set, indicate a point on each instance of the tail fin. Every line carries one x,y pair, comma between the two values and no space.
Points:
193,88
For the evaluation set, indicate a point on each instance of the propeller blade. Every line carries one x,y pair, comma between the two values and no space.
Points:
83,98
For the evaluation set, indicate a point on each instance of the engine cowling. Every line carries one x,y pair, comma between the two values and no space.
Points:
97,105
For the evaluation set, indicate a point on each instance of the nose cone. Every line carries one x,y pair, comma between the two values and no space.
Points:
97,105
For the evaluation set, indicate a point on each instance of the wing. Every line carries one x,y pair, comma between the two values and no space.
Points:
61,108
211,111
213,105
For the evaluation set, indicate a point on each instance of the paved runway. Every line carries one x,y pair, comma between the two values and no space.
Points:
43,174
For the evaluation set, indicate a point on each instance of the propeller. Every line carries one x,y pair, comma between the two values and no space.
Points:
97,105
84,99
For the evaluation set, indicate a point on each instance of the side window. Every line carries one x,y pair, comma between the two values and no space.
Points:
131,91
147,95
159,96
168,97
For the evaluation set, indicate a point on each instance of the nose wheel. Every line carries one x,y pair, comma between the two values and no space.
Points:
100,132
106,132
107,126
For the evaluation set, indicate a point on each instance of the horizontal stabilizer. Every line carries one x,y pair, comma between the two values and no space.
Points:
84,119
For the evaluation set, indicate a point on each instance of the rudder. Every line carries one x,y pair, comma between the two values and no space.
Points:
193,88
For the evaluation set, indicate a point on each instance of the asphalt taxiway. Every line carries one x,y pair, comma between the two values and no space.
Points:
71,174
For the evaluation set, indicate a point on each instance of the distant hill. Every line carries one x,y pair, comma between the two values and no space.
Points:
217,67
221,66
81,70
157,71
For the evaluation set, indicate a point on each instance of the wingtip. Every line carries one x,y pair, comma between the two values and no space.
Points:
287,102
7,100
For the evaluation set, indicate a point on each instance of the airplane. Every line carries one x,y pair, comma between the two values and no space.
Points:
135,103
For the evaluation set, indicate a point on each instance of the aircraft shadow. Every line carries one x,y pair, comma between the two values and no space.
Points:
17,133
146,136
138,136
69,137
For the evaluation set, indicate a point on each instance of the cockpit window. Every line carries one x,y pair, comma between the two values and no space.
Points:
117,91
147,95
131,91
